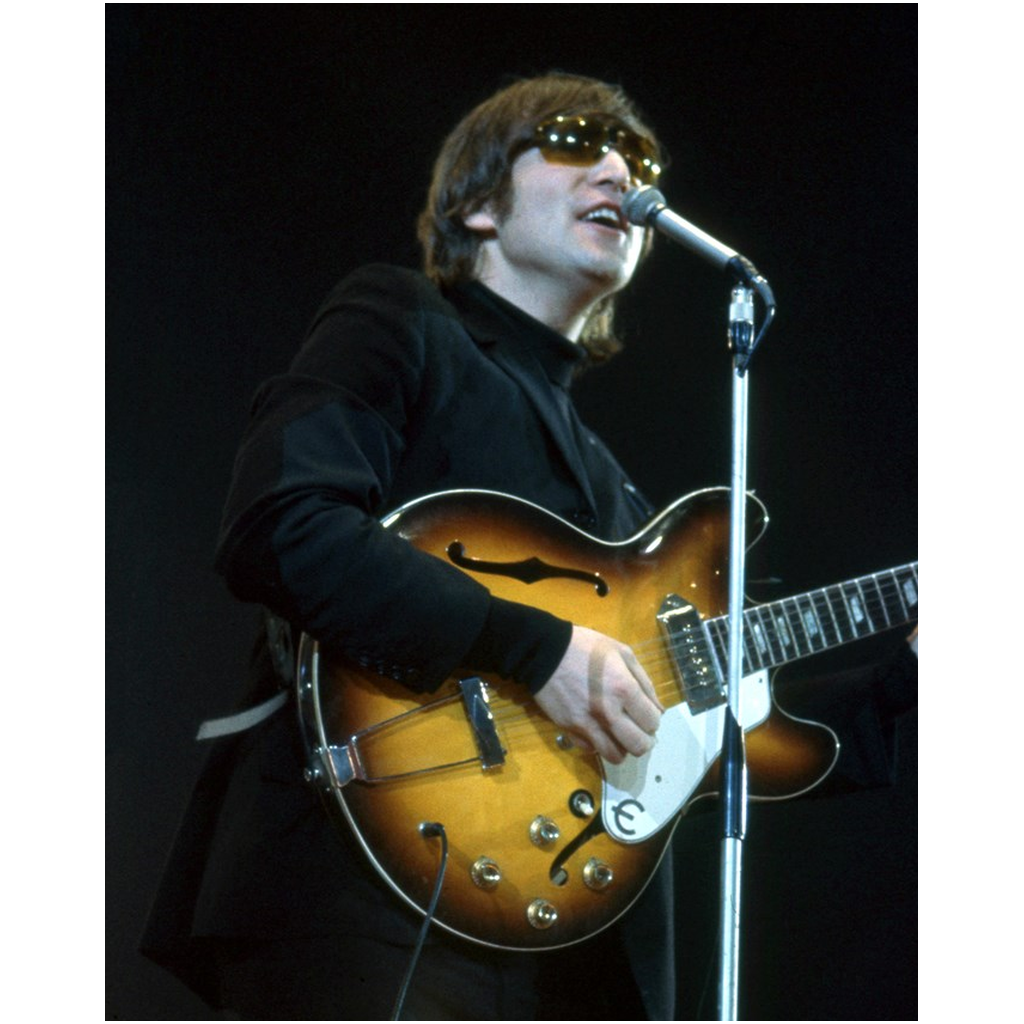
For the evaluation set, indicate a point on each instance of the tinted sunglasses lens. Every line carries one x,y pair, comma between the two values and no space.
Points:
583,141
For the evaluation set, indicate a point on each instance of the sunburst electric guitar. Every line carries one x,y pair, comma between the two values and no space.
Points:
549,844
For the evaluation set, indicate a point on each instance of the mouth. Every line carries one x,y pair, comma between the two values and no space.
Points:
607,216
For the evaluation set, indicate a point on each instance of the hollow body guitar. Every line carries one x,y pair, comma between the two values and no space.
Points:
548,844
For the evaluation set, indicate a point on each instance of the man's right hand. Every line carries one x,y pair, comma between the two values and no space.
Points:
603,697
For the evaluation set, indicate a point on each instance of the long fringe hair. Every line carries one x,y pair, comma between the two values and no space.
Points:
474,168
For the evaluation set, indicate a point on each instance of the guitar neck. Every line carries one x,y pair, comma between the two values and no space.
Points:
795,627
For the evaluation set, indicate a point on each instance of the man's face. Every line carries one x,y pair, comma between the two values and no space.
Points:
563,232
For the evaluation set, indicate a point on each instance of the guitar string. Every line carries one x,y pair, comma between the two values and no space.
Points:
788,610
517,718
660,654
509,712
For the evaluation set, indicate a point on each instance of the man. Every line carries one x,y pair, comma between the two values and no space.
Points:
411,384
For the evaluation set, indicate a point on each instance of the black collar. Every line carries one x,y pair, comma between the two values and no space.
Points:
494,320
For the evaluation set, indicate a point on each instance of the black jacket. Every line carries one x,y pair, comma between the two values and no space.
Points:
398,392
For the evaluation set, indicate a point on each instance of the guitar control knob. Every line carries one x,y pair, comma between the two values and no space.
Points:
485,873
581,803
597,875
543,831
541,914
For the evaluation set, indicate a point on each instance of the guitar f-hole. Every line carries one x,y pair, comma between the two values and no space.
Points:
528,570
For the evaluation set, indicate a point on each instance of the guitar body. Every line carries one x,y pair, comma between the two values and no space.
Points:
543,845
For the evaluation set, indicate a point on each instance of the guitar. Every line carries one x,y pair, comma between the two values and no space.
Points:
550,844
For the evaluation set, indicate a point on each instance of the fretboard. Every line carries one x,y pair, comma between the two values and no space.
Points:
795,627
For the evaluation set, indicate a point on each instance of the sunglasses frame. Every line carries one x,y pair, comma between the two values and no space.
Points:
584,139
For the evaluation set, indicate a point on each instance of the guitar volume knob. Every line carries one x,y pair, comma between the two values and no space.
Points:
597,875
485,873
541,914
543,831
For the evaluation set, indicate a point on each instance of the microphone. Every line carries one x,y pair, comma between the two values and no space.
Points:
645,207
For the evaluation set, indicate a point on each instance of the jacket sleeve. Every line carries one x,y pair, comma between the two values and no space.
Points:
301,531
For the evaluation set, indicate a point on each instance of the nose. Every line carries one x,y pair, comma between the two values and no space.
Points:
612,169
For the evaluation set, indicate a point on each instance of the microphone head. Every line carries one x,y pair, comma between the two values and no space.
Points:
641,205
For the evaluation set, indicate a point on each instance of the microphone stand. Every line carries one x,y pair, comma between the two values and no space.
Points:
645,207
733,756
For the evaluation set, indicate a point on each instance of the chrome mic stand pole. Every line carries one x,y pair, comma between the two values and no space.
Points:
645,207
733,757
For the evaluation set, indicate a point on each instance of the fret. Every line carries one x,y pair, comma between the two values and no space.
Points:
840,609
757,651
837,609
726,632
755,629
779,632
811,625
881,611
796,626
784,634
751,659
776,641
718,628
823,610
863,610
898,609
908,585
852,605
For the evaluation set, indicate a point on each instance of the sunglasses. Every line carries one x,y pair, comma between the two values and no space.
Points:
582,141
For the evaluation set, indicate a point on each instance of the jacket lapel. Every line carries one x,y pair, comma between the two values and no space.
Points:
548,397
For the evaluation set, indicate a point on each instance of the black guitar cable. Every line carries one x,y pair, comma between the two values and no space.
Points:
427,828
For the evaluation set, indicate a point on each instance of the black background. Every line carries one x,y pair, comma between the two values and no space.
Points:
256,153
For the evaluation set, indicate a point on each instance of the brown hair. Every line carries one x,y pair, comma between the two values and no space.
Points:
474,168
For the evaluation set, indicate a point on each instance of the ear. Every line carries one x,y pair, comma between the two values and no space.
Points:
482,220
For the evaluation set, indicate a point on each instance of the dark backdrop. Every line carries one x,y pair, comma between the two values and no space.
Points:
256,153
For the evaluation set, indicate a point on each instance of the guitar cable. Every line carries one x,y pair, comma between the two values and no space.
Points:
427,828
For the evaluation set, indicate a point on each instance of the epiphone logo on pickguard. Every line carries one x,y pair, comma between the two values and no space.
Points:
528,570
623,813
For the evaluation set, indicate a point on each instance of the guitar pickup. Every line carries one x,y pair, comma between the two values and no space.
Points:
693,658
481,721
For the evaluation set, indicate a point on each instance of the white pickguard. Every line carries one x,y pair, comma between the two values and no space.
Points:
643,794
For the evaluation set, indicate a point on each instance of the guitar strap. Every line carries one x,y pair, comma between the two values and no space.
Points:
279,643
213,728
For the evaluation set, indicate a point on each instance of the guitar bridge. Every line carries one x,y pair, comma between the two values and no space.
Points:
693,658
481,721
